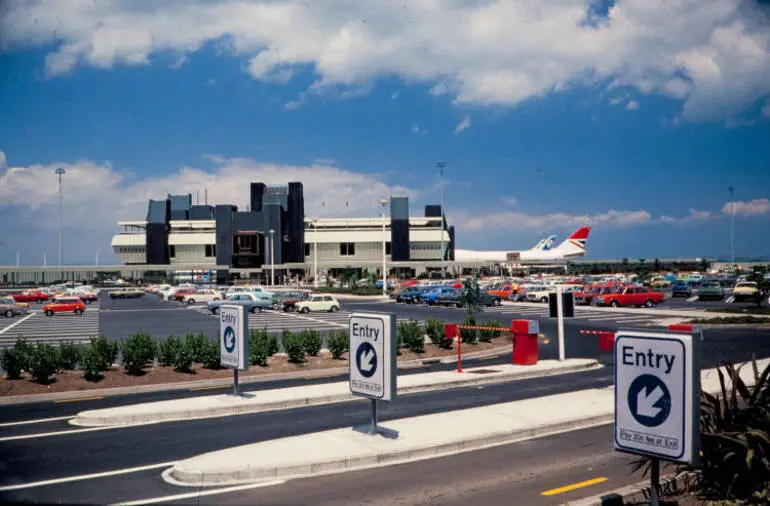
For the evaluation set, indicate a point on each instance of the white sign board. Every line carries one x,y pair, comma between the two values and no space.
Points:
657,395
234,337
373,355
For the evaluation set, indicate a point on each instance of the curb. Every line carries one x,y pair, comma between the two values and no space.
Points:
178,477
81,420
638,492
223,382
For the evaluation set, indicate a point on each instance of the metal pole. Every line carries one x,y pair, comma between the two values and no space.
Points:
373,421
60,172
235,382
315,254
384,258
441,165
654,482
272,258
560,322
97,258
17,258
732,226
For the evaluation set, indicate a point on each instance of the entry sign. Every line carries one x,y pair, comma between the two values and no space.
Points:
657,395
233,337
373,355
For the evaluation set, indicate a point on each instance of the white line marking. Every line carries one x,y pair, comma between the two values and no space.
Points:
191,495
318,320
39,420
12,325
82,477
60,433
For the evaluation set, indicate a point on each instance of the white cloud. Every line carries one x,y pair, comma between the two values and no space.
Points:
756,207
463,125
509,201
512,220
394,95
632,105
416,130
699,215
712,54
3,159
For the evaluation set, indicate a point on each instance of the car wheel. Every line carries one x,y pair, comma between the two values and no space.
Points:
49,312
305,310
649,303
191,301
9,314
459,305
78,311
334,309
614,303
544,299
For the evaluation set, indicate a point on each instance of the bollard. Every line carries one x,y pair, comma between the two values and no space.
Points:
688,328
606,341
450,332
525,334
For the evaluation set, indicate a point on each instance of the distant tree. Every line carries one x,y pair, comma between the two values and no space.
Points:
471,296
624,263
656,265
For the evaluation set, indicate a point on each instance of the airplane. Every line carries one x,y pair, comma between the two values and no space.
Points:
573,247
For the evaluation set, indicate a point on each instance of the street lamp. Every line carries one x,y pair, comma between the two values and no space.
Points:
315,252
272,258
97,257
440,164
384,203
732,226
60,172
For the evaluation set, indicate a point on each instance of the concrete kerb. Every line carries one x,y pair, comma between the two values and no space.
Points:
638,493
223,382
222,405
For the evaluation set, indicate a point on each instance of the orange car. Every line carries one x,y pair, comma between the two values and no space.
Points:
72,304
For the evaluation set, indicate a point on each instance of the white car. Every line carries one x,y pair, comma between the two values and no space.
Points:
205,295
318,303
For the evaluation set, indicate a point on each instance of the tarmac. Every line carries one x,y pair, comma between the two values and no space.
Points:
410,439
309,395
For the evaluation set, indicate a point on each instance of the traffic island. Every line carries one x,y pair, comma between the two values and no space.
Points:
310,395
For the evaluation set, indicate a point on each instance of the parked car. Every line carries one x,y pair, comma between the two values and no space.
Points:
631,296
318,302
11,308
411,295
454,298
86,296
587,294
710,290
746,291
31,296
250,301
10,300
64,304
681,289
205,295
287,301
659,282
126,293
431,297
181,293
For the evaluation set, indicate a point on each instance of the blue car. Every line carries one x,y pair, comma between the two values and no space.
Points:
431,297
681,289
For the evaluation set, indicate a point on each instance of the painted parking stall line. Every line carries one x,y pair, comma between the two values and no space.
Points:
38,328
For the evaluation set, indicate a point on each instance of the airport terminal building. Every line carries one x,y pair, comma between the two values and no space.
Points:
274,231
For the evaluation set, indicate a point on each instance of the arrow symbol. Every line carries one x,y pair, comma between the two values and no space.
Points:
230,340
366,360
645,402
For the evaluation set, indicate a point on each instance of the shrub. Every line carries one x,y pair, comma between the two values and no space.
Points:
411,334
311,341
196,344
107,351
294,346
259,347
486,336
469,336
184,356
138,350
24,353
210,355
12,362
92,364
167,350
46,361
435,330
71,355
338,343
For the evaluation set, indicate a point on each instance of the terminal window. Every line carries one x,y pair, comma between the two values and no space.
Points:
307,250
347,249
172,251
387,248
211,250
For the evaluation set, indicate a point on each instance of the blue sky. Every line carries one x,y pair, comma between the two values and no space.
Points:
635,126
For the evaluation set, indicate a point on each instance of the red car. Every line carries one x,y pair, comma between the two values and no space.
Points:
30,296
180,294
631,296
65,304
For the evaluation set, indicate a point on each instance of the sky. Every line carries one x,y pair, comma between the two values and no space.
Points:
634,118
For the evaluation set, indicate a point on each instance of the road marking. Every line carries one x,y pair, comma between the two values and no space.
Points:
318,320
190,495
12,325
79,399
208,388
59,433
82,477
39,420
574,486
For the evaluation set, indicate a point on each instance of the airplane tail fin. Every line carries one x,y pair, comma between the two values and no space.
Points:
575,244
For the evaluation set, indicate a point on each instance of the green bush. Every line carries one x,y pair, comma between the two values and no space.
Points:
107,351
167,349
294,346
469,336
24,353
92,364
411,334
435,330
196,344
138,351
71,355
338,343
486,336
259,347
12,362
184,356
46,361
311,341
210,354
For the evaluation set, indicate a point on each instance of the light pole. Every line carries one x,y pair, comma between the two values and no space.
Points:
384,203
97,258
60,172
732,226
272,258
315,252
440,164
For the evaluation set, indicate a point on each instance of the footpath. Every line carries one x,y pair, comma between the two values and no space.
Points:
657,311
309,395
416,438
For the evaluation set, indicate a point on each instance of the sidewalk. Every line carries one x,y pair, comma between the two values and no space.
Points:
659,311
310,395
418,438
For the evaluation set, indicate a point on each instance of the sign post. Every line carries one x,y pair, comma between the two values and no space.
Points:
657,397
372,362
234,341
